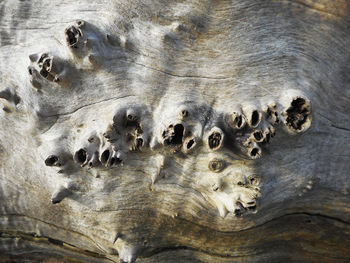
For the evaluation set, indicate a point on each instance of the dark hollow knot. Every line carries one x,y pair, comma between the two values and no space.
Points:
254,152
80,156
105,156
52,160
255,118
174,137
258,135
214,140
239,121
190,144
72,36
297,114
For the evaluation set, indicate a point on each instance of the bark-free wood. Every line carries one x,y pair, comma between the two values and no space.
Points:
142,130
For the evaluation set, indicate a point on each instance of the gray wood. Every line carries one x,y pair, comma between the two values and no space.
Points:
175,131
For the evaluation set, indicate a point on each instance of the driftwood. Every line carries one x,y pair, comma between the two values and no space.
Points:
175,131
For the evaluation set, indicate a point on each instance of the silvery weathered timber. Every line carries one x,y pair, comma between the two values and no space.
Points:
175,131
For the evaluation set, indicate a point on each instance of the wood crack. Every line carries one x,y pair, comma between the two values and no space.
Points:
38,238
84,106
182,76
332,124
53,225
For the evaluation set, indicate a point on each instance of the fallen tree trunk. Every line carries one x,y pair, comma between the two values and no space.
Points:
170,131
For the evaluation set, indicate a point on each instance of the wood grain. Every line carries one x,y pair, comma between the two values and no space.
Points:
200,197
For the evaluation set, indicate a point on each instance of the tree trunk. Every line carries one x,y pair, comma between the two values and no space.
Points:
175,131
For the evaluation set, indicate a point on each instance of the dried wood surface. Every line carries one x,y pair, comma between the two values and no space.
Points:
142,130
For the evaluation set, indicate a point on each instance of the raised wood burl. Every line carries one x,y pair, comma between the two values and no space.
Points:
175,131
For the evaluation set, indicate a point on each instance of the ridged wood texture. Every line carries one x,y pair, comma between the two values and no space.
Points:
119,139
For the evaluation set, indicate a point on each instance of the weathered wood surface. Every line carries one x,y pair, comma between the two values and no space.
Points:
206,196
